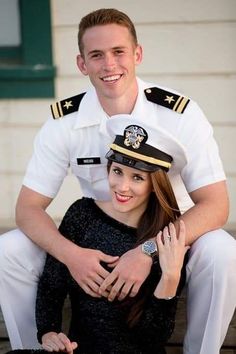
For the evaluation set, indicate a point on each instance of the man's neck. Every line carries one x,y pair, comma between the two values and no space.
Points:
120,105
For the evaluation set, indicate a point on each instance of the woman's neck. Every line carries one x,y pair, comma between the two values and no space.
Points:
128,218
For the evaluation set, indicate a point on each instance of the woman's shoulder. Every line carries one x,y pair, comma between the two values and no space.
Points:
79,211
82,203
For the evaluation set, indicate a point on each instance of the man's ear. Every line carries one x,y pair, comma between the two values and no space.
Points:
138,54
81,64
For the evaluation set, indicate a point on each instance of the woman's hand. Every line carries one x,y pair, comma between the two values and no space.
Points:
58,342
171,249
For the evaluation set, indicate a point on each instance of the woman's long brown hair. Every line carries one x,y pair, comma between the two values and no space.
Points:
162,209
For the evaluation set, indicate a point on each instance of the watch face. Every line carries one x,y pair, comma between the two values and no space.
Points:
149,247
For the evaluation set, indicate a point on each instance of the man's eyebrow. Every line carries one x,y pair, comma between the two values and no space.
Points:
94,51
119,47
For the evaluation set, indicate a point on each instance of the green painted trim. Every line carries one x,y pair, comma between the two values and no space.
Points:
27,72
32,73
36,31
38,88
10,54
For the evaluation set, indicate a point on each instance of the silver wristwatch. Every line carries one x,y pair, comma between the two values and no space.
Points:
150,248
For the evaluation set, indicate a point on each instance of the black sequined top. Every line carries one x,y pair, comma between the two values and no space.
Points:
100,326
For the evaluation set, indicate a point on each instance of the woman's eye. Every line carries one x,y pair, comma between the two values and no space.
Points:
138,178
116,171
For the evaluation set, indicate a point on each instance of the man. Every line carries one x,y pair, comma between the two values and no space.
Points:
109,53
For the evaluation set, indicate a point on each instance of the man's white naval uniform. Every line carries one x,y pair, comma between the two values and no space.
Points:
78,140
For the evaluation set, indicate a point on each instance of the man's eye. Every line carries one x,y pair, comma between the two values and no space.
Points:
96,55
119,52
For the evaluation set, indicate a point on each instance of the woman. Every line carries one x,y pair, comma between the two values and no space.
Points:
142,205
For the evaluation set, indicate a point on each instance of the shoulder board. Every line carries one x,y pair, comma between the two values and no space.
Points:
167,99
67,106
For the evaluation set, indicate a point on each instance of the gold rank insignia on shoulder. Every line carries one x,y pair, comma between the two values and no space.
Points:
167,99
67,106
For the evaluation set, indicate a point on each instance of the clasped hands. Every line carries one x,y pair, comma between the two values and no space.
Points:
130,270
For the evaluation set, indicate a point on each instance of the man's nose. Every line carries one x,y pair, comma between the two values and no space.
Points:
109,62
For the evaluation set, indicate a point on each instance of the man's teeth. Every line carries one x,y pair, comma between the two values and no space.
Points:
111,78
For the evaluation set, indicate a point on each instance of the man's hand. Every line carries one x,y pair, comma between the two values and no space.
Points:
127,276
58,342
84,266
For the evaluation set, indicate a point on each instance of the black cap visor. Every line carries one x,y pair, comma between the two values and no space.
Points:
134,163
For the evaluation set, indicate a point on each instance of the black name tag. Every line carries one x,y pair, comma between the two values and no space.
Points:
88,161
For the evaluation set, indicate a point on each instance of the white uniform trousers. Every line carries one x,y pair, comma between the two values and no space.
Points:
211,280
211,292
21,263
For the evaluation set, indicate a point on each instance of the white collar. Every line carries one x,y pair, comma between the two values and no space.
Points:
91,112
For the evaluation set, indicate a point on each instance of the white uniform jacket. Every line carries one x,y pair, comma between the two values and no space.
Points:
79,140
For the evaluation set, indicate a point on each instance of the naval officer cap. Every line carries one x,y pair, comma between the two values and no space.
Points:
138,145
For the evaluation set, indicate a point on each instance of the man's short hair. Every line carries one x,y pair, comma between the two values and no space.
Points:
104,17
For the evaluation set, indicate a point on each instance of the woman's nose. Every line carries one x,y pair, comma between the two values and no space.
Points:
124,185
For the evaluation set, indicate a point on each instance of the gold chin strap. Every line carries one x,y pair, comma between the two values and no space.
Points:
141,157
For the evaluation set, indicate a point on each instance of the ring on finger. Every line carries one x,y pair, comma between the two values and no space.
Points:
169,237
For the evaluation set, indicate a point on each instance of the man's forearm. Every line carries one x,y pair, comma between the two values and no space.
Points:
210,211
199,220
41,229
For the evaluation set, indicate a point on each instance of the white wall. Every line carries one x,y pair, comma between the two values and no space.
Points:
188,45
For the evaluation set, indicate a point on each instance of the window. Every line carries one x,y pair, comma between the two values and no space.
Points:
26,68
